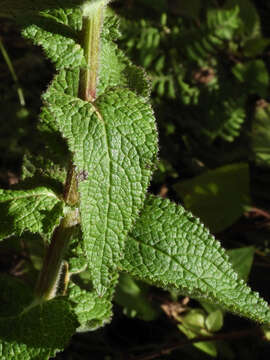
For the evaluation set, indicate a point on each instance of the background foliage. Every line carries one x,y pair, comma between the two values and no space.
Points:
209,66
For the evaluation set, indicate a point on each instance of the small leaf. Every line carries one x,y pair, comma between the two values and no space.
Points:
37,211
57,40
219,197
214,321
117,70
193,325
92,310
170,248
248,14
255,76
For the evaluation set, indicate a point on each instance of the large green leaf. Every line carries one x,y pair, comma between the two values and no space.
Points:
171,248
218,197
114,143
37,333
37,210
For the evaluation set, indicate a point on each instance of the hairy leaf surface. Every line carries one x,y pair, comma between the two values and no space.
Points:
169,247
36,210
114,143
57,40
38,333
92,310
32,332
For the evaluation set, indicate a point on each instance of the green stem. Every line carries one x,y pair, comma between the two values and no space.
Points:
13,74
51,270
91,39
48,281
71,194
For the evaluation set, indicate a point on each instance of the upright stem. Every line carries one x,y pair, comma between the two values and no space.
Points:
91,38
51,270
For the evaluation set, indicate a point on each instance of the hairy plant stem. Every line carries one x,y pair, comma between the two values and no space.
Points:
91,39
51,270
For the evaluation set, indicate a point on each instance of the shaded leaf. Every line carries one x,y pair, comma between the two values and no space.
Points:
133,296
219,197
35,332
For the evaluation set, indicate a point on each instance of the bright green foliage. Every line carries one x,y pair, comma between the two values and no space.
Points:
206,193
115,68
119,139
60,48
115,142
37,211
169,247
110,144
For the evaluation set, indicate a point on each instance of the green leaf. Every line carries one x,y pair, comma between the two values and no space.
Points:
58,41
214,321
171,248
76,256
241,260
39,332
255,76
248,14
10,288
32,332
133,296
115,68
193,325
219,197
255,47
37,211
92,310
114,143
260,139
